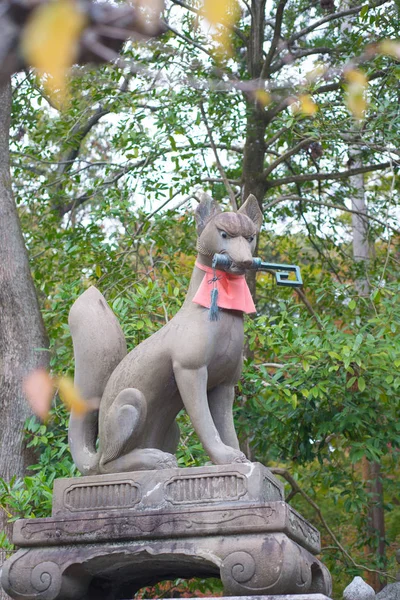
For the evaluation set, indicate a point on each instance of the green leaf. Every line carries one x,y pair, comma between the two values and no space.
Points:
350,382
361,384
173,143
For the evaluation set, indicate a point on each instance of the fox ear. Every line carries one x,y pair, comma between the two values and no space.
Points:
252,210
206,209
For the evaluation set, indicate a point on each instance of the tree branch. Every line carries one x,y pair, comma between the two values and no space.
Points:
66,208
228,187
327,176
332,17
198,12
189,41
296,489
265,71
331,87
291,57
329,205
286,155
275,137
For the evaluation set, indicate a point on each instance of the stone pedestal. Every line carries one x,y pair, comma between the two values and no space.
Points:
110,535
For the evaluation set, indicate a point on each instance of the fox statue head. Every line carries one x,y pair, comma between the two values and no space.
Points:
230,233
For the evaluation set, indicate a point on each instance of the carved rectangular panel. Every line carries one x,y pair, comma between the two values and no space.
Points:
123,494
205,488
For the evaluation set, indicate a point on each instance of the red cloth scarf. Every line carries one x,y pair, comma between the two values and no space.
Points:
233,291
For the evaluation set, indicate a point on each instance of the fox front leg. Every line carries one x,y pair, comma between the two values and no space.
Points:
192,385
220,401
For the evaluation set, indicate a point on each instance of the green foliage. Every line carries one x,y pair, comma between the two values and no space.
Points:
104,219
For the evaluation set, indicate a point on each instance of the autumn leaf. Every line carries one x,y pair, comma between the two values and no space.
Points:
39,389
307,105
222,15
72,398
390,48
356,99
262,97
304,104
50,42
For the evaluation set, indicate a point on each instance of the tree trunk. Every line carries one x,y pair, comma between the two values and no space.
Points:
362,251
22,331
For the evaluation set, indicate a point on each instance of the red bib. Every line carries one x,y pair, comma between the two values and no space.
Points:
233,291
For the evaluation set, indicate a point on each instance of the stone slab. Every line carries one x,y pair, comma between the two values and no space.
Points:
235,484
252,564
285,597
192,521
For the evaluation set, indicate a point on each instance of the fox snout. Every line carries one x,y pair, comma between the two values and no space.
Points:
240,252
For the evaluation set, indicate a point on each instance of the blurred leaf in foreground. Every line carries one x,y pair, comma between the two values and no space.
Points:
50,42
39,390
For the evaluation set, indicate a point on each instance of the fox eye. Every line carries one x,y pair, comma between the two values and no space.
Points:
251,238
224,235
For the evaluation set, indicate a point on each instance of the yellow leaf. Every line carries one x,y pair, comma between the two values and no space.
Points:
356,104
222,14
50,41
39,389
357,77
71,396
221,11
307,105
390,48
356,93
262,97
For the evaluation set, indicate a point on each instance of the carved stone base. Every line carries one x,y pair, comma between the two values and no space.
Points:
110,535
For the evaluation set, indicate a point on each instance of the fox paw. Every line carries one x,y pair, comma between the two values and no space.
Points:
168,461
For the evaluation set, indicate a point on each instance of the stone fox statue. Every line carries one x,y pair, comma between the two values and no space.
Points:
192,362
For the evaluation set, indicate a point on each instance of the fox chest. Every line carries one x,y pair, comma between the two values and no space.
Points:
225,354
197,342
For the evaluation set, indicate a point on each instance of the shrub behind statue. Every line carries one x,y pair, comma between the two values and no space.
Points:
194,361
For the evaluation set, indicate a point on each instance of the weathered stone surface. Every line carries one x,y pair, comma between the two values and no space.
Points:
170,488
212,500
272,517
111,535
359,590
390,592
248,564
285,597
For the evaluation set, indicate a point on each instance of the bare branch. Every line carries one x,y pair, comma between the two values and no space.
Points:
287,155
332,17
296,489
331,87
275,137
78,134
327,176
293,198
219,180
189,41
301,294
265,72
228,187
66,208
291,57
